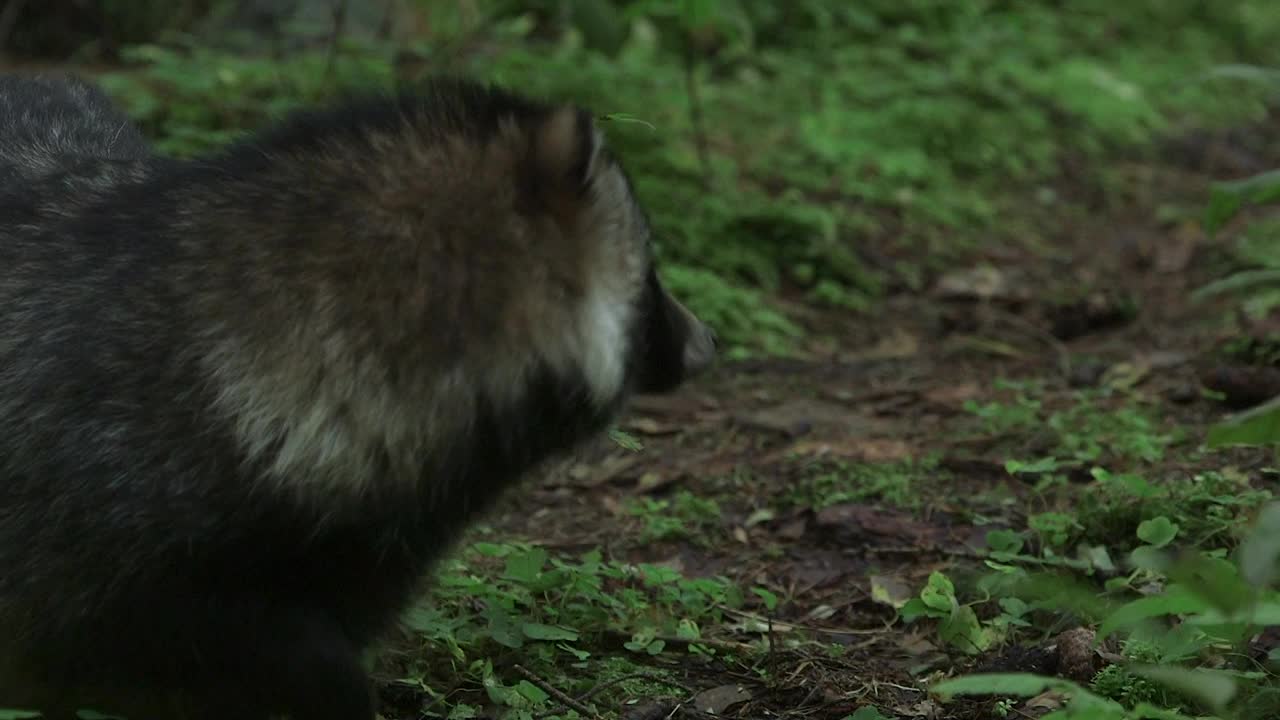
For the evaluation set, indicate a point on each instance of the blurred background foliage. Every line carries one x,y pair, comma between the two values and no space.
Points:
795,157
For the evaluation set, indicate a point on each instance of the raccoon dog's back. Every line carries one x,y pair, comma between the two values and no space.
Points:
50,120
63,144
247,400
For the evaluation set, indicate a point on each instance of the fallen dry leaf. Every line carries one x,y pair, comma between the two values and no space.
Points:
953,396
795,529
852,523
675,562
1043,704
651,481
917,644
718,699
922,709
661,709
980,283
801,416
612,506
1174,254
900,344
649,426
1126,375
854,448
891,591
822,612
1165,359
759,516
594,476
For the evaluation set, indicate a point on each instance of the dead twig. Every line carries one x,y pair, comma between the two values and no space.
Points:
652,677
1035,332
560,696
728,645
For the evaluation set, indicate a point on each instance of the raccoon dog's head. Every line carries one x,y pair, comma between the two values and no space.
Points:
573,179
666,342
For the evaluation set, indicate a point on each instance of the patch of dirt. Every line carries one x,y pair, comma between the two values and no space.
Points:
1115,310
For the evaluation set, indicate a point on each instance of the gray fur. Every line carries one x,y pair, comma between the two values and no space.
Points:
63,145
247,401
48,123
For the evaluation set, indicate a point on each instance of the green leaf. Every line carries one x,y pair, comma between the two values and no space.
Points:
915,608
1215,580
1014,606
1250,73
580,654
1130,483
939,593
526,566
1212,688
770,599
532,692
698,13
625,440
601,24
1262,705
1083,703
627,118
1018,684
1158,531
1176,600
1035,467
1005,541
1097,557
644,641
1147,711
1261,548
538,631
1228,198
1263,613
1236,282
490,549
503,629
1150,558
1259,426
12,714
962,630
462,711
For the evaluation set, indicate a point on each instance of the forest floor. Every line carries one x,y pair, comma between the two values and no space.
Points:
842,482
830,490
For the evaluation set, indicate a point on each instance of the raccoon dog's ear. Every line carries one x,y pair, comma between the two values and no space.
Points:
566,148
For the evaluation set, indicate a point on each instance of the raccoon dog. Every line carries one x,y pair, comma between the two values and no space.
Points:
247,400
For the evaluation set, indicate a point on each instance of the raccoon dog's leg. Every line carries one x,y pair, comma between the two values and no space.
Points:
232,658
315,669
290,662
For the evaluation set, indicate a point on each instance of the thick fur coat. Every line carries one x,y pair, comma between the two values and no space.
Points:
247,400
